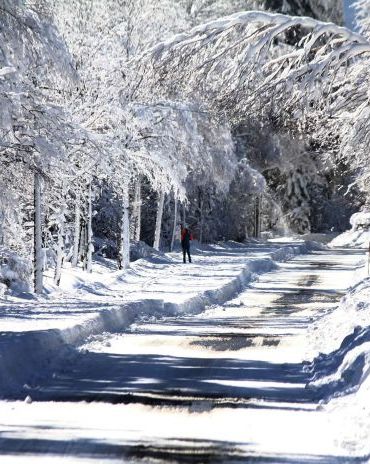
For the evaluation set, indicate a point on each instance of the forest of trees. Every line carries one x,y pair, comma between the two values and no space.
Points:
122,118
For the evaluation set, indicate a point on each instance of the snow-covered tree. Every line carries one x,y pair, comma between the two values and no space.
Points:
101,104
35,65
362,13
247,65
215,58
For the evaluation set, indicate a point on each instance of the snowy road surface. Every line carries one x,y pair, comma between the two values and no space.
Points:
228,385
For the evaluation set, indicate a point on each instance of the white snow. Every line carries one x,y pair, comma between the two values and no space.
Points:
36,333
236,400
358,236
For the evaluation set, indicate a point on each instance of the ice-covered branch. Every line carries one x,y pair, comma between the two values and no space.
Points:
252,57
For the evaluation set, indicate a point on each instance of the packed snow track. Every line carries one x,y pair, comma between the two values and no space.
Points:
232,384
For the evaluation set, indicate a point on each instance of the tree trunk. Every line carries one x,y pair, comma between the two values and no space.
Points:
174,230
38,257
136,214
158,223
90,245
124,248
60,252
183,215
201,225
82,245
257,218
2,216
77,231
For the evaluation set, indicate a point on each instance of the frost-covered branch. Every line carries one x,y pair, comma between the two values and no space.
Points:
249,57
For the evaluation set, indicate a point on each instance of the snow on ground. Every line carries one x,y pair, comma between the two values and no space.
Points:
238,382
36,332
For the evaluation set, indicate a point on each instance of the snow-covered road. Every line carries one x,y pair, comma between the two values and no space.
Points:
227,385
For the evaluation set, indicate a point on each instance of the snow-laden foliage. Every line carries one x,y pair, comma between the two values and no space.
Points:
362,13
360,220
14,271
201,11
189,143
239,61
78,127
35,130
248,64
359,234
102,38
123,120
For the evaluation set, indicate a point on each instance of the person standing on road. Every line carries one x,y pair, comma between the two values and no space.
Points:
185,243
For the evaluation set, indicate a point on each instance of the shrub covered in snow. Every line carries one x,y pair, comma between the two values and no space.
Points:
15,271
140,250
360,221
359,235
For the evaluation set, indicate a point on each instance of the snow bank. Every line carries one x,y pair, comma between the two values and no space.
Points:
344,336
25,356
139,250
358,236
360,220
351,238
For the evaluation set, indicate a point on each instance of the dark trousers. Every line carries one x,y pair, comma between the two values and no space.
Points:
186,251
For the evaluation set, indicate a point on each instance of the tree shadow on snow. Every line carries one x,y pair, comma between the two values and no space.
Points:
174,450
116,378
174,380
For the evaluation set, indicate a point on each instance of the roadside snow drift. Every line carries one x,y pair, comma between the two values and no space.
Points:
344,341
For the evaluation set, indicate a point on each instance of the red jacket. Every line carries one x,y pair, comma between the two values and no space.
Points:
183,233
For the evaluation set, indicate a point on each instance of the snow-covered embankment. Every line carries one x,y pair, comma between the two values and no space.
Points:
344,339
